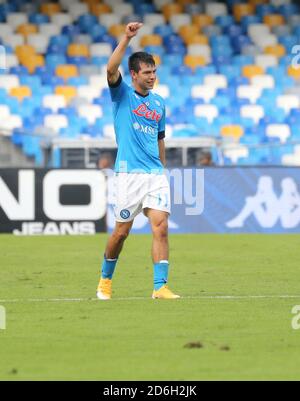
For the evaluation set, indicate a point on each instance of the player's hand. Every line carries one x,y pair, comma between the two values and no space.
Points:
132,29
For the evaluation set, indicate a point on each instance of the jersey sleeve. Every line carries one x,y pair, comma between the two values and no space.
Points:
162,125
118,89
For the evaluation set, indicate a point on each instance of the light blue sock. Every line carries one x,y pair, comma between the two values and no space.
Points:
161,271
108,267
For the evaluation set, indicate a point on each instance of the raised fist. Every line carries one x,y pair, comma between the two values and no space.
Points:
132,29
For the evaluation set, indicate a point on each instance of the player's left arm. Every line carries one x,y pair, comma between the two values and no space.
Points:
162,151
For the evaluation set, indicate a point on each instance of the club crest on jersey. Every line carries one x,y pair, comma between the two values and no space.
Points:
143,111
125,214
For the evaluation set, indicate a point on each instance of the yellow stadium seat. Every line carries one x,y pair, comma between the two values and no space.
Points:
78,50
242,10
185,2
27,29
197,40
24,51
274,20
50,8
232,131
277,50
33,62
91,2
157,59
151,40
294,72
98,9
117,30
20,92
194,61
250,71
171,9
258,2
66,71
186,31
202,20
69,92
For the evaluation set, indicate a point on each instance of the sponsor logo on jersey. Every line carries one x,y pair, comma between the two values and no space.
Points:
143,111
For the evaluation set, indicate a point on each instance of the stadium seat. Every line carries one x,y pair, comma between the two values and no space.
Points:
194,61
78,50
255,112
234,152
54,102
249,71
20,92
288,102
215,9
202,20
263,81
56,122
89,92
151,40
178,20
281,131
27,29
200,50
242,10
207,93
273,20
69,92
66,71
171,9
232,131
90,112
50,8
210,112
15,19
276,50
294,72
61,19
40,42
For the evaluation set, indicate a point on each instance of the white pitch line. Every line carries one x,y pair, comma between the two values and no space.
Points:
200,297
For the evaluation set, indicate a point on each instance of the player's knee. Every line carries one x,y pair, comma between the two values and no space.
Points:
161,229
121,235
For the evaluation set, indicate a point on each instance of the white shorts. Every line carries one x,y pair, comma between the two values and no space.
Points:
134,192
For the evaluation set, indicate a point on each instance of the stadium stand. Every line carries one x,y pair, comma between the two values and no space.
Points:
228,71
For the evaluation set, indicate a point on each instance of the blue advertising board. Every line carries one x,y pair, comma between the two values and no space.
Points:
232,200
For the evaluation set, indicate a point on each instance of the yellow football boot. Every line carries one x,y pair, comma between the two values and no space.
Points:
104,289
164,293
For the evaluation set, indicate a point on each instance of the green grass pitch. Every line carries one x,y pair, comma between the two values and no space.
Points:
204,335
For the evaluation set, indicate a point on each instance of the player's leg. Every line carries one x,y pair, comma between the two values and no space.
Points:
113,249
160,252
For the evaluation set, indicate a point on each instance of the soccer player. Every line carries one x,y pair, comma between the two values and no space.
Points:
140,184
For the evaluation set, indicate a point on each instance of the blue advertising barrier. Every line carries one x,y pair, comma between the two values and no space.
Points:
233,200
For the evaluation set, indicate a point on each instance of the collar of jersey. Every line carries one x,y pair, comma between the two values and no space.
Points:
138,93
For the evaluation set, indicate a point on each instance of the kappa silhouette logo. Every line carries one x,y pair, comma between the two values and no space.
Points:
268,209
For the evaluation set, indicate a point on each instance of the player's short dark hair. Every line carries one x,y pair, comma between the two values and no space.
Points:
135,60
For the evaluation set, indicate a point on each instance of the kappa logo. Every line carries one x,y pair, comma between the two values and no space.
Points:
269,209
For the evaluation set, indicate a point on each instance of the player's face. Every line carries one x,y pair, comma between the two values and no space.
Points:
146,76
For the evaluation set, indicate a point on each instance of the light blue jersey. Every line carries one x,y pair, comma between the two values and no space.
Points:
139,123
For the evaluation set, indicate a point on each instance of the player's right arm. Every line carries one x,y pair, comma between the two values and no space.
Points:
116,58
